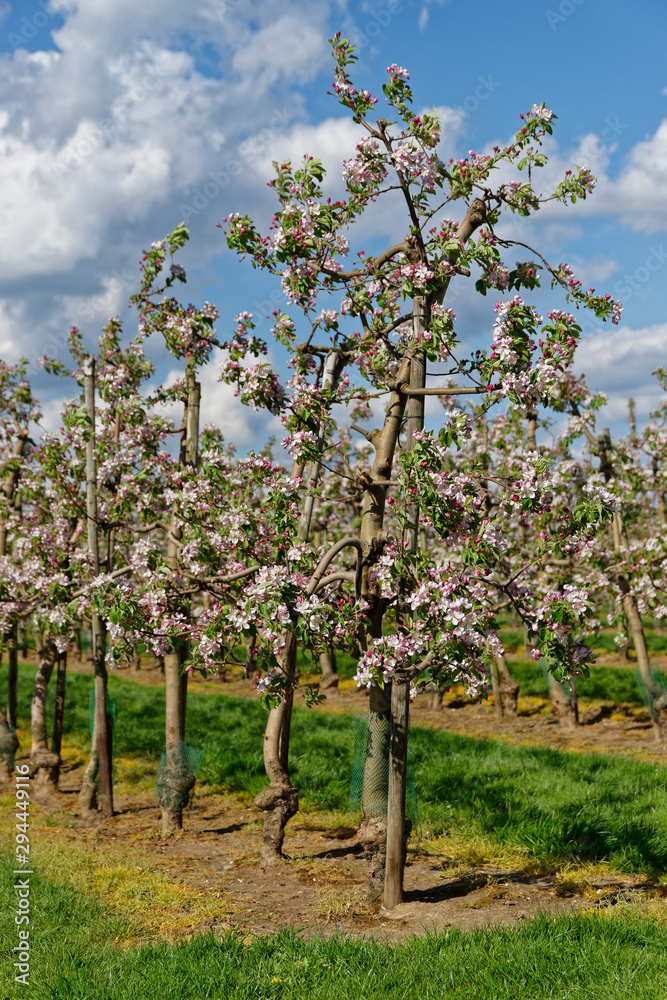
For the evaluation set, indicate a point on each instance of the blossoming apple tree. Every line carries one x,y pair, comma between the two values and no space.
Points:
412,616
399,549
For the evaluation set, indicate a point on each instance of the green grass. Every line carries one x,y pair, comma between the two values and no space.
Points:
612,684
656,642
77,954
553,806
346,665
556,806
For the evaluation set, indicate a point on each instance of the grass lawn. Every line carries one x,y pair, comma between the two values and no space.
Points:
78,953
550,805
539,807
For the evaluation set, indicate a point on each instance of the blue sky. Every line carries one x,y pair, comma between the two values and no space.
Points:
118,119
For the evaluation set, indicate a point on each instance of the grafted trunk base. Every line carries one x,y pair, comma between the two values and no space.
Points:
565,711
175,786
171,821
330,678
435,697
509,692
660,725
45,767
88,798
279,804
372,835
8,747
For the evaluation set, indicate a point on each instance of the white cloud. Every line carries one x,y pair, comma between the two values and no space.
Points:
12,327
107,137
639,195
288,46
636,194
240,424
143,105
619,362
330,141
593,270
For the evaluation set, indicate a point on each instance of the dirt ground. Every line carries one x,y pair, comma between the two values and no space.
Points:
322,885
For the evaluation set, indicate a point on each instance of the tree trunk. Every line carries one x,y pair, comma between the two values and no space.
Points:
10,483
43,762
414,368
329,379
171,802
658,704
8,747
435,696
330,678
509,689
624,652
279,800
102,719
396,825
250,668
88,792
400,691
372,831
495,685
178,781
59,710
9,743
136,661
12,680
564,708
100,758
7,739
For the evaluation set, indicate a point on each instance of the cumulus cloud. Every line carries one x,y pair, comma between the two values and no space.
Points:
134,116
619,362
634,192
240,424
116,124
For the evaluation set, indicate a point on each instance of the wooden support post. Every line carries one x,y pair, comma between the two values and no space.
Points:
99,633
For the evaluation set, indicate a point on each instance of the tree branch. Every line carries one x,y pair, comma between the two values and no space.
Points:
348,541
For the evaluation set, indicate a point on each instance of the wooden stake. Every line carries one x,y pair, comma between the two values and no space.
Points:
99,633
